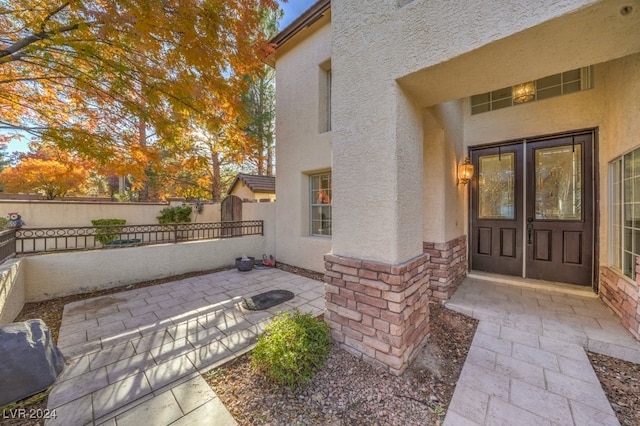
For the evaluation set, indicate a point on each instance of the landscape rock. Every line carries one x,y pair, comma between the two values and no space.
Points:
29,361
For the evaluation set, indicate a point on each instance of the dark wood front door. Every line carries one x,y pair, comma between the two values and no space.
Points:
532,209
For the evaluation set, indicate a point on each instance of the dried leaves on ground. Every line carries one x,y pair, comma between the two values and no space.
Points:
347,390
621,383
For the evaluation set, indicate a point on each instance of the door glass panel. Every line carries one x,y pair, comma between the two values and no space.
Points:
558,182
496,186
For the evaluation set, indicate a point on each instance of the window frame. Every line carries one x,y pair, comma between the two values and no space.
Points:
623,250
313,204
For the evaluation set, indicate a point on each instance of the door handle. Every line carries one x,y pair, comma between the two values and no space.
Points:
529,230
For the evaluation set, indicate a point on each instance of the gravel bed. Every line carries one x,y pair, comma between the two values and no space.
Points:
349,391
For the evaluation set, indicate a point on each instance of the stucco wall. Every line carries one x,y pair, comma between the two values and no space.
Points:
388,63
302,148
43,213
12,290
42,277
54,275
621,129
444,200
377,45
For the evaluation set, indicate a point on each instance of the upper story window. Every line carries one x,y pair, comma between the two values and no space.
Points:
320,197
543,88
624,218
324,109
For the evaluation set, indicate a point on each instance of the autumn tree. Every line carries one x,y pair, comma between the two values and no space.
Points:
120,81
259,103
50,171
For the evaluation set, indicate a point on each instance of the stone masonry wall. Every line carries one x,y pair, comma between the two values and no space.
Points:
377,311
448,266
622,296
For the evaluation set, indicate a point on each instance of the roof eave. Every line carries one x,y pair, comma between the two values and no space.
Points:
312,14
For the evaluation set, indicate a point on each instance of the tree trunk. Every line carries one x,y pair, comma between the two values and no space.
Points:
269,161
216,183
142,139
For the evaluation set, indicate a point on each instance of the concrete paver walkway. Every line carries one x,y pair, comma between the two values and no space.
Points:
135,357
527,364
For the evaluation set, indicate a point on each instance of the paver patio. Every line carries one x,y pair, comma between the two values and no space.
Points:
527,364
136,357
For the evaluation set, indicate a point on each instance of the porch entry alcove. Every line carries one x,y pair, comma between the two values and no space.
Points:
532,208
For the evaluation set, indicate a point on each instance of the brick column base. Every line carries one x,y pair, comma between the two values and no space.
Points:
378,311
448,266
622,296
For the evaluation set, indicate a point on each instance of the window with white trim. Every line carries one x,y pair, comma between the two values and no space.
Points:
320,197
624,240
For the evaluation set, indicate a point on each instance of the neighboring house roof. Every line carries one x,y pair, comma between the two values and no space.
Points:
256,183
314,13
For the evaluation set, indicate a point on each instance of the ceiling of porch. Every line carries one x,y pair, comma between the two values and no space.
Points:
605,31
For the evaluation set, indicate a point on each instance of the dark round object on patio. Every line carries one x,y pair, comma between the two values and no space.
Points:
245,265
266,300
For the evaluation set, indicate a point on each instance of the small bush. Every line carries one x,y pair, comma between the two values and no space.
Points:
109,229
292,349
177,214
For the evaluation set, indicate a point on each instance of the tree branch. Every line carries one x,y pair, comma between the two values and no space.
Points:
51,15
33,38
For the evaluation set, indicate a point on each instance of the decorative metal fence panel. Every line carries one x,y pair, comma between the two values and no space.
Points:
38,240
7,244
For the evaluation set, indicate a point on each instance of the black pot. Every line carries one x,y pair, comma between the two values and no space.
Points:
245,265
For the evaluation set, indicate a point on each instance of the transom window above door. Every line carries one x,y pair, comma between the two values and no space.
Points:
543,88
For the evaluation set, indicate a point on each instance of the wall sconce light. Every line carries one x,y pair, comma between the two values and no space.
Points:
465,172
524,92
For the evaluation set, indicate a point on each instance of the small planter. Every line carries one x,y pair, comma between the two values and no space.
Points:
245,265
131,242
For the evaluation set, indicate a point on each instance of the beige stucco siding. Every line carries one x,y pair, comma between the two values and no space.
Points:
444,200
402,78
60,274
621,129
302,148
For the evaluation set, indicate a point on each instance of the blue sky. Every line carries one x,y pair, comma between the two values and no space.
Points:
292,9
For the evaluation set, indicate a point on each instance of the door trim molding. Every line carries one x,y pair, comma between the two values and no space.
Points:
594,131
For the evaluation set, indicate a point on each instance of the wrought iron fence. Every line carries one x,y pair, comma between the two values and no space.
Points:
38,240
7,244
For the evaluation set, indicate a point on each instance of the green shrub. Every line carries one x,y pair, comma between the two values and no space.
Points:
109,229
177,214
292,349
4,222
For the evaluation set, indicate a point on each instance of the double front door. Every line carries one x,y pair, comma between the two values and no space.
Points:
532,206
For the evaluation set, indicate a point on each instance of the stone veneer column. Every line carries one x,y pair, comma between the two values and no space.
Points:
378,311
623,297
448,266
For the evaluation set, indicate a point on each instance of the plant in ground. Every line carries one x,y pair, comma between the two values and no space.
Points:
108,230
292,349
177,214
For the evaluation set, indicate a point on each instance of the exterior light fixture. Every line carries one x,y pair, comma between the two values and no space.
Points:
465,172
524,92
